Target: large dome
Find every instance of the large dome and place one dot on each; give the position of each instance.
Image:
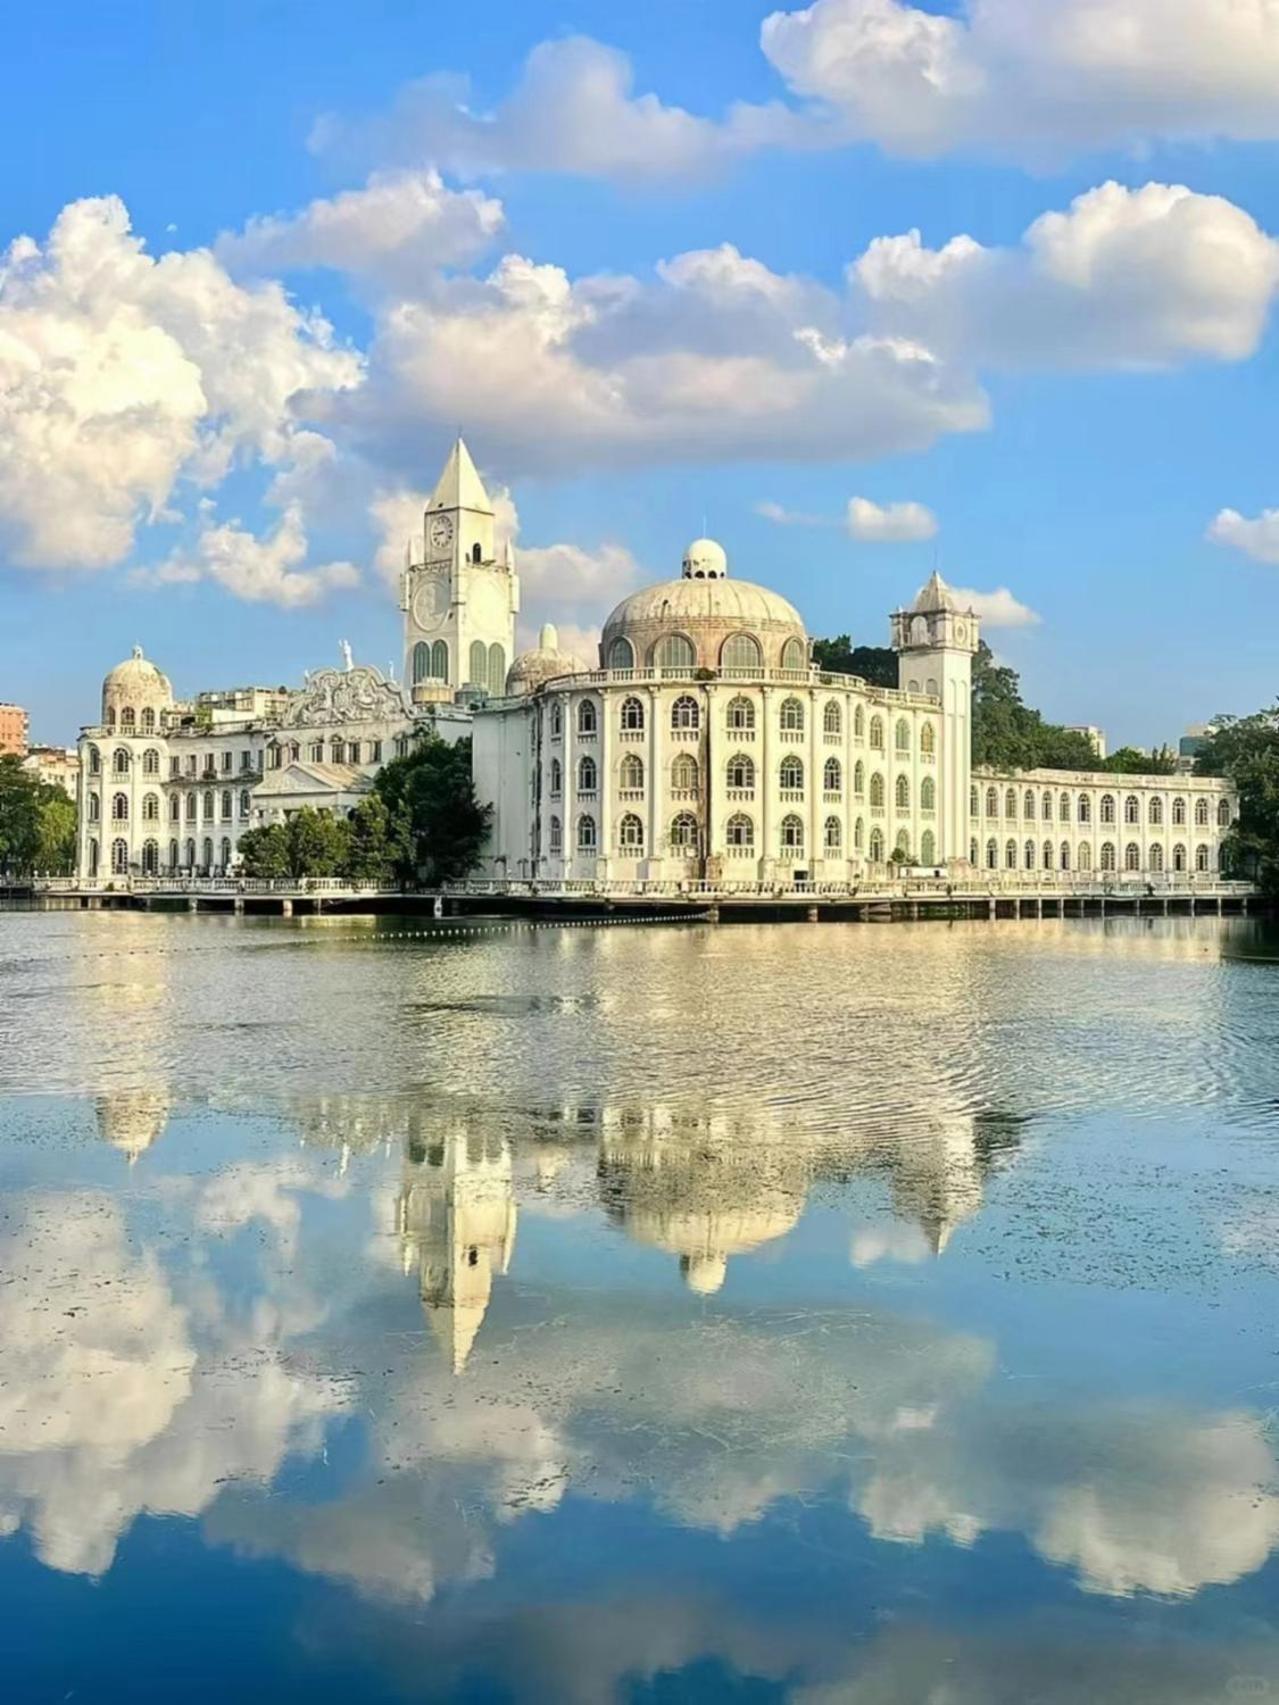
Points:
(132, 687)
(707, 608)
(544, 663)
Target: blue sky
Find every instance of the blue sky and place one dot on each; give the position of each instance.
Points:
(212, 455)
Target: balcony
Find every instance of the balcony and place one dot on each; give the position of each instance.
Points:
(831, 796)
(791, 795)
(734, 733)
(625, 793)
(739, 794)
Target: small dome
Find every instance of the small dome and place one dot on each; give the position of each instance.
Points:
(544, 663)
(135, 685)
(705, 559)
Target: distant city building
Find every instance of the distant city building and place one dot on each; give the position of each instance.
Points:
(1191, 745)
(57, 766)
(14, 725)
(1090, 731)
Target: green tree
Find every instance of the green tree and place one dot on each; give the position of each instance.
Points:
(437, 825)
(1127, 760)
(264, 853)
(874, 663)
(317, 843)
(56, 853)
(1245, 749)
(1009, 735)
(372, 847)
(37, 823)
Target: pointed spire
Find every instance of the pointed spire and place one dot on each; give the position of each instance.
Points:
(936, 595)
(460, 486)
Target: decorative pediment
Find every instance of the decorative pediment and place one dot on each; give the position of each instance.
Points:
(300, 778)
(359, 694)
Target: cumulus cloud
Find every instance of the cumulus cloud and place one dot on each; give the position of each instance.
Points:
(573, 110)
(1257, 538)
(122, 374)
(890, 523)
(260, 569)
(1124, 278)
(1013, 75)
(401, 226)
(783, 517)
(997, 609)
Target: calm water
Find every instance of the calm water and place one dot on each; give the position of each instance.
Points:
(807, 1313)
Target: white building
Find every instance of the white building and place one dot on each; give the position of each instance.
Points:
(705, 745)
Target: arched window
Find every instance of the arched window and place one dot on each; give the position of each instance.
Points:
(587, 717)
(859, 778)
(928, 798)
(224, 854)
(1223, 813)
(632, 716)
(740, 830)
(1132, 809)
(111, 716)
(440, 660)
(148, 727)
(832, 775)
(190, 864)
(685, 712)
(683, 836)
(928, 744)
(1048, 855)
(151, 808)
(1179, 813)
(992, 854)
(587, 777)
(1028, 806)
(93, 807)
(630, 833)
(928, 847)
(228, 803)
(791, 774)
(792, 715)
(1028, 854)
(859, 834)
(1201, 813)
(1085, 808)
(120, 761)
(497, 669)
(1065, 855)
(877, 789)
(793, 655)
(175, 807)
(208, 853)
(684, 773)
(1132, 856)
(191, 807)
(741, 713)
(903, 846)
(833, 835)
(421, 662)
(675, 651)
(119, 858)
(586, 834)
(557, 720)
(173, 855)
(859, 722)
(1063, 807)
(1107, 808)
(479, 664)
(992, 802)
(902, 736)
(475, 552)
(557, 836)
(120, 808)
(832, 718)
(876, 848)
(741, 771)
(741, 651)
(95, 761)
(206, 803)
(1156, 812)
(877, 733)
(901, 793)
(974, 804)
(1010, 855)
(1156, 857)
(557, 778)
(1046, 806)
(150, 762)
(127, 720)
(631, 774)
(244, 802)
(972, 851)
(620, 654)
(1179, 857)
(792, 833)
(1107, 855)
(1202, 859)
(1010, 803)
(1085, 857)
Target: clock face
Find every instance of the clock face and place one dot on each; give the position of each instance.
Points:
(430, 602)
(440, 532)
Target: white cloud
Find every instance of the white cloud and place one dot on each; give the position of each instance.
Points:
(261, 570)
(1034, 75)
(889, 523)
(783, 517)
(122, 374)
(997, 609)
(400, 227)
(1257, 538)
(1125, 278)
(573, 110)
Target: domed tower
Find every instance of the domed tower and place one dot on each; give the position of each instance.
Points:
(136, 696)
(935, 640)
(546, 662)
(121, 764)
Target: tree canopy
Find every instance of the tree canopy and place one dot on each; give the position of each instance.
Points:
(874, 663)
(1245, 749)
(37, 823)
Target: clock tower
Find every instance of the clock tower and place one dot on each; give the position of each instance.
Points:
(459, 596)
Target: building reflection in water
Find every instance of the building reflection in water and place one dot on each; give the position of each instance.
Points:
(132, 1119)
